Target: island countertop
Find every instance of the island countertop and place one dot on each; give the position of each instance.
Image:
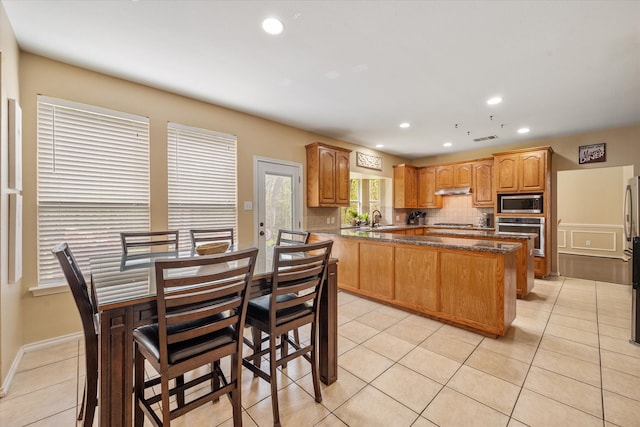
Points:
(492, 234)
(433, 241)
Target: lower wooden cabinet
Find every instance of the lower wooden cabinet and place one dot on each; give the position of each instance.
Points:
(417, 270)
(469, 288)
(376, 269)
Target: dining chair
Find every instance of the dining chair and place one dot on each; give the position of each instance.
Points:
(288, 238)
(201, 304)
(146, 239)
(292, 237)
(211, 235)
(296, 285)
(88, 315)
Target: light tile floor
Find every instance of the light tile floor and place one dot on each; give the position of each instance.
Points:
(566, 361)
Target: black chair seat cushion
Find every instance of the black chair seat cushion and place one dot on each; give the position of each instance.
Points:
(258, 309)
(148, 336)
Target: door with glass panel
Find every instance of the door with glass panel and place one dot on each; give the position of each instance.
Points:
(279, 199)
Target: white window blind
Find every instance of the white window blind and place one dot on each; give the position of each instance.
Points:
(93, 181)
(202, 180)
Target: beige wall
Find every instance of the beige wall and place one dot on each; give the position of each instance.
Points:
(256, 137)
(590, 211)
(10, 307)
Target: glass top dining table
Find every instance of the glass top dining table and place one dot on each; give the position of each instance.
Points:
(118, 279)
(125, 293)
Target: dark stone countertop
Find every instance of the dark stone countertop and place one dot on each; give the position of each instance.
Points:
(489, 246)
(493, 234)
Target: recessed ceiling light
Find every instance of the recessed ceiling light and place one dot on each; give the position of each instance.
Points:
(447, 144)
(379, 145)
(272, 26)
(495, 100)
(405, 125)
(523, 130)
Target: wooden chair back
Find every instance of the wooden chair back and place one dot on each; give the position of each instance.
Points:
(213, 295)
(298, 270)
(146, 239)
(211, 235)
(86, 304)
(292, 237)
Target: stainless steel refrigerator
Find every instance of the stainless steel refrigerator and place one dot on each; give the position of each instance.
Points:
(632, 241)
(631, 211)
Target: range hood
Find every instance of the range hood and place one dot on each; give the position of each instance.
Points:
(453, 191)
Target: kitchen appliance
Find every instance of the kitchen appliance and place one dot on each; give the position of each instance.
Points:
(631, 212)
(416, 217)
(533, 225)
(520, 203)
(635, 319)
(454, 191)
(487, 220)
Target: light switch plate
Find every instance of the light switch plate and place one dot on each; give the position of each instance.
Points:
(248, 206)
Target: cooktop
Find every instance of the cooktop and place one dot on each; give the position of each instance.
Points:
(452, 224)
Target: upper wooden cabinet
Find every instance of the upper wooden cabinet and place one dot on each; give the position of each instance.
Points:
(450, 176)
(482, 183)
(523, 171)
(327, 175)
(405, 180)
(427, 188)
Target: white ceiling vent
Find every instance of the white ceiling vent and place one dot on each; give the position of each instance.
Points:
(486, 138)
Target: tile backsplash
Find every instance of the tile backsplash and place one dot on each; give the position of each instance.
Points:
(457, 209)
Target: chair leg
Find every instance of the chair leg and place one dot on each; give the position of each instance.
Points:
(138, 415)
(166, 409)
(180, 394)
(256, 336)
(236, 397)
(314, 365)
(296, 336)
(274, 381)
(284, 348)
(215, 380)
(91, 400)
(84, 398)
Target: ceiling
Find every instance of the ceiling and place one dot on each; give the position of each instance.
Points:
(354, 70)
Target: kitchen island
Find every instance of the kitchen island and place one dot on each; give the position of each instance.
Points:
(524, 257)
(470, 283)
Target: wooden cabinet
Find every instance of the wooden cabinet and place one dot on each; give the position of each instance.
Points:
(521, 172)
(427, 189)
(451, 176)
(405, 180)
(327, 175)
(482, 183)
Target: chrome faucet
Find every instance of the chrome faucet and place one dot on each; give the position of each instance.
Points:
(375, 221)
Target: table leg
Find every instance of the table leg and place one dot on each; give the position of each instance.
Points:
(328, 327)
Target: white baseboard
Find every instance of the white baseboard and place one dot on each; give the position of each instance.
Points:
(4, 390)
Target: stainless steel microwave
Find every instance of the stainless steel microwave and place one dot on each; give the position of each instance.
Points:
(520, 203)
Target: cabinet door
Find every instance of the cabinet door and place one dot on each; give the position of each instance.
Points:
(327, 174)
(483, 192)
(507, 172)
(533, 166)
(427, 189)
(405, 187)
(342, 178)
(462, 175)
(411, 188)
(444, 177)
(376, 269)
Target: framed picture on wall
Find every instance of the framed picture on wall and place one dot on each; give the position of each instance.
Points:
(592, 153)
(15, 145)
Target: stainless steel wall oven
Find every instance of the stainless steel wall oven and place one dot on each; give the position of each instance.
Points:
(524, 225)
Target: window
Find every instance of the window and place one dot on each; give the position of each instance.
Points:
(93, 181)
(202, 180)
